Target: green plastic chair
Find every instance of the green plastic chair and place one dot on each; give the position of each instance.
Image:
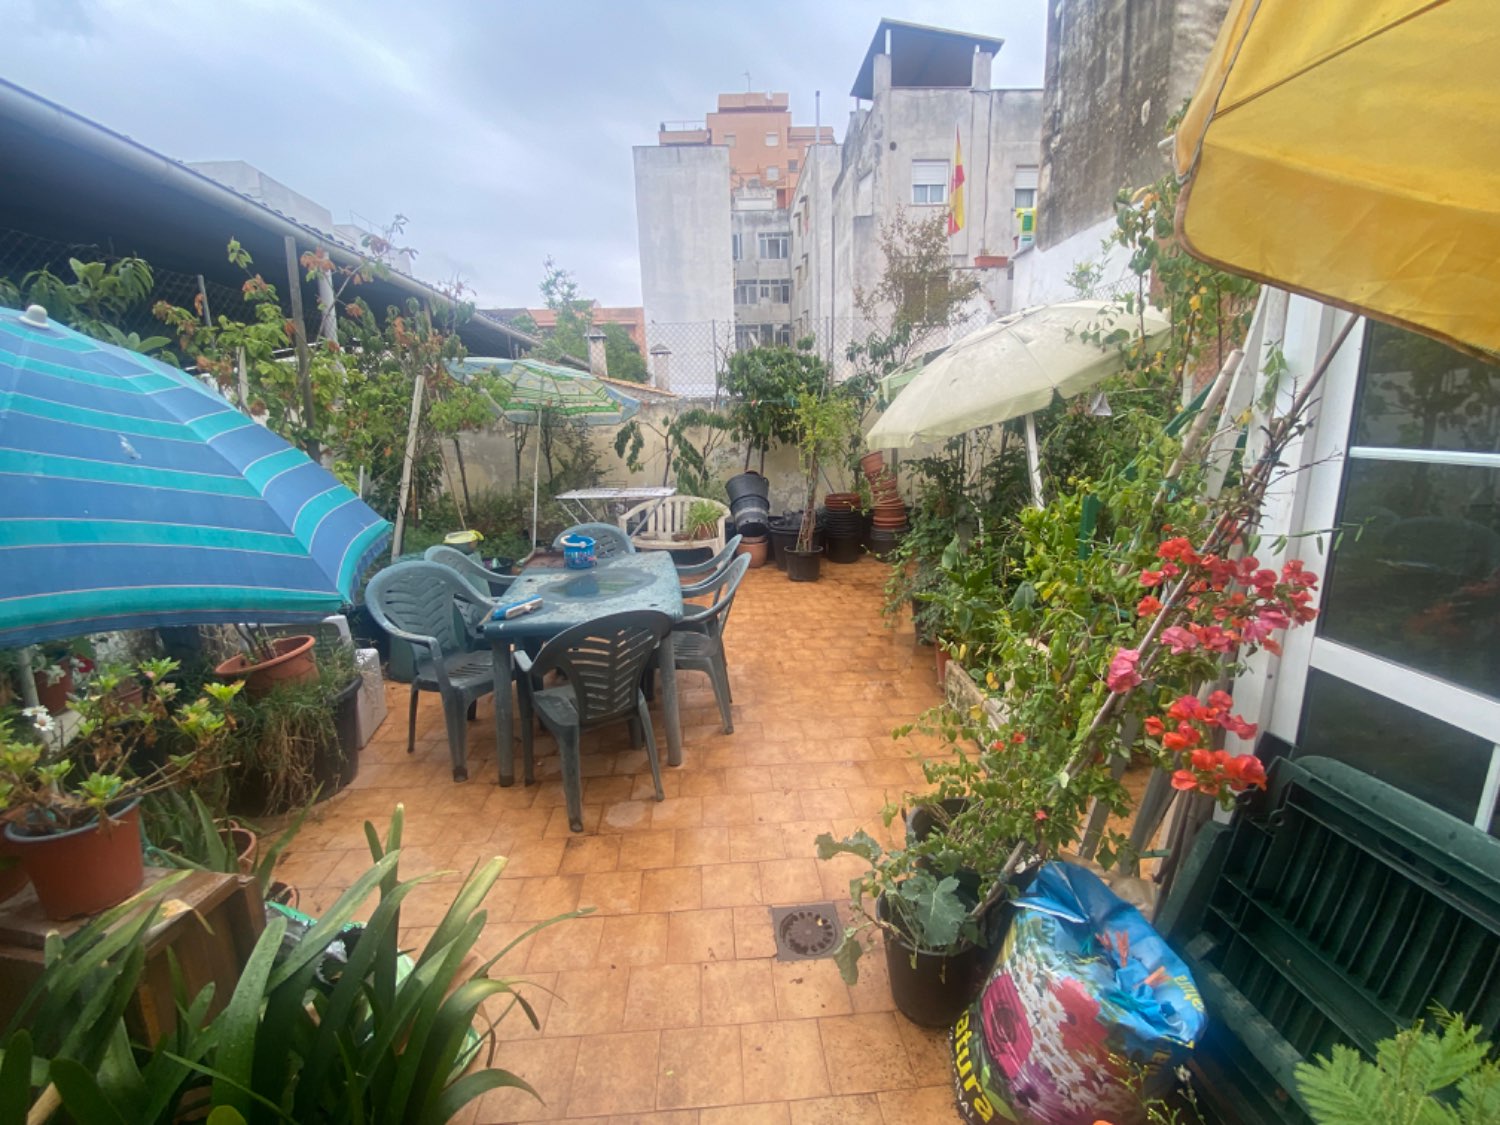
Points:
(490, 583)
(698, 639)
(710, 567)
(609, 540)
(414, 602)
(602, 661)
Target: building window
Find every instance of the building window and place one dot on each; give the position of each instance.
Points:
(773, 173)
(784, 335)
(773, 245)
(1025, 198)
(1025, 187)
(773, 139)
(1405, 644)
(736, 250)
(777, 292)
(729, 139)
(791, 164)
(929, 182)
(744, 292)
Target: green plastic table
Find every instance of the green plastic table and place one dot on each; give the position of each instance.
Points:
(572, 597)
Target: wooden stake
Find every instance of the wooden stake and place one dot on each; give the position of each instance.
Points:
(299, 336)
(407, 461)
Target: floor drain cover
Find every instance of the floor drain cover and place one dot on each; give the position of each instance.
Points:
(805, 933)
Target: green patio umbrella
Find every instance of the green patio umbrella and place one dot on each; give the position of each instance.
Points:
(533, 387)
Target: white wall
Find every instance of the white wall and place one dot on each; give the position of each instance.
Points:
(1041, 276)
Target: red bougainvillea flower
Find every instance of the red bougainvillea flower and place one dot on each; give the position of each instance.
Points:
(1203, 759)
(1178, 639)
(1041, 815)
(1184, 737)
(1017, 738)
(1155, 727)
(1148, 606)
(1180, 549)
(1151, 578)
(1122, 675)
(1184, 779)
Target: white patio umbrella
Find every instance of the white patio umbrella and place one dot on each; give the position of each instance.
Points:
(1011, 369)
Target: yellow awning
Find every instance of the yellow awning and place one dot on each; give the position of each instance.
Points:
(1350, 150)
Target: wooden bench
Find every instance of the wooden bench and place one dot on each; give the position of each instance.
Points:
(654, 524)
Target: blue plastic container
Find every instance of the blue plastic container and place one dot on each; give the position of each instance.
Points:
(578, 552)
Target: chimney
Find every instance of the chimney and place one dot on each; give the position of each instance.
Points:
(598, 361)
(881, 83)
(983, 61)
(661, 357)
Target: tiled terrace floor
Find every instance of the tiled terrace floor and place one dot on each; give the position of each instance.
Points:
(666, 1004)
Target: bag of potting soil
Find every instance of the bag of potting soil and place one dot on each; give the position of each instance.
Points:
(1082, 983)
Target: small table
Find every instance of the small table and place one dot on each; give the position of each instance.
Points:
(572, 597)
(582, 497)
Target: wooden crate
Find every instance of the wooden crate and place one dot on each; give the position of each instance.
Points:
(209, 921)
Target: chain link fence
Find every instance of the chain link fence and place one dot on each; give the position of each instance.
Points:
(690, 359)
(23, 254)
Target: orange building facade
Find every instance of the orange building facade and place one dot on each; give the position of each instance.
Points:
(765, 149)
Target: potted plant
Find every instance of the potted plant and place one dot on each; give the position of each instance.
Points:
(267, 661)
(824, 423)
(185, 832)
(700, 521)
(73, 807)
(924, 899)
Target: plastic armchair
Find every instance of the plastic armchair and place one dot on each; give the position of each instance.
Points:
(710, 567)
(603, 662)
(609, 540)
(490, 583)
(698, 639)
(414, 601)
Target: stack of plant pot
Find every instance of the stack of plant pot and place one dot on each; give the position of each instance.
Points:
(890, 522)
(844, 532)
(750, 507)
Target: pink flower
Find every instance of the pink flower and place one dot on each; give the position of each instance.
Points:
(1122, 675)
(1184, 779)
(1178, 639)
(1150, 578)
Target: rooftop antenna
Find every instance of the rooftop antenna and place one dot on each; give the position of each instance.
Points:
(747, 81)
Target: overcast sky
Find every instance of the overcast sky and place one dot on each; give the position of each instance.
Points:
(501, 129)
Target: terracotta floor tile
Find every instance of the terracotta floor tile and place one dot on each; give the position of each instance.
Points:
(614, 1073)
(560, 828)
(539, 899)
(641, 850)
(664, 996)
(588, 1002)
(611, 892)
(786, 882)
(696, 846)
(747, 779)
(537, 990)
(872, 992)
(677, 812)
(854, 1109)
(702, 783)
(626, 816)
(820, 803)
(927, 1049)
(642, 787)
(865, 1053)
(731, 884)
(534, 857)
(775, 806)
(753, 936)
(808, 989)
(727, 808)
(672, 888)
(547, 1065)
(700, 935)
(633, 939)
(699, 1067)
(584, 855)
(607, 790)
(666, 1117)
(567, 945)
(738, 992)
(928, 1103)
(786, 1056)
(759, 1113)
(755, 842)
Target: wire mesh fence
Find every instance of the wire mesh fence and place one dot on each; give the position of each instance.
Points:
(691, 358)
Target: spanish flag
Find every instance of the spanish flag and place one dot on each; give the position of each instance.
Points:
(956, 188)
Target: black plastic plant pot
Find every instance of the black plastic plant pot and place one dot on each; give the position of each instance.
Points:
(804, 566)
(842, 549)
(932, 989)
(747, 484)
(336, 764)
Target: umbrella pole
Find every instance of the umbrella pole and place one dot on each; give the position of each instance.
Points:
(1034, 462)
(536, 477)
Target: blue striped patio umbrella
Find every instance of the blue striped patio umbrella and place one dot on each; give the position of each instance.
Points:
(131, 496)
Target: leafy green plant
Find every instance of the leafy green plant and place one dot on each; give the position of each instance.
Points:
(1420, 1076)
(50, 785)
(825, 423)
(687, 442)
(100, 295)
(764, 385)
(701, 519)
(186, 833)
(388, 1040)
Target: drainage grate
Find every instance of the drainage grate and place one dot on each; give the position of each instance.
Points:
(805, 933)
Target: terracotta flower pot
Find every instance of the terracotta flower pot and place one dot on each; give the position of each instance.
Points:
(12, 872)
(53, 694)
(873, 464)
(841, 501)
(758, 547)
(293, 663)
(244, 843)
(85, 870)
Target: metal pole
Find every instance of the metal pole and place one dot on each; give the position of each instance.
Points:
(299, 334)
(407, 461)
(203, 297)
(1034, 461)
